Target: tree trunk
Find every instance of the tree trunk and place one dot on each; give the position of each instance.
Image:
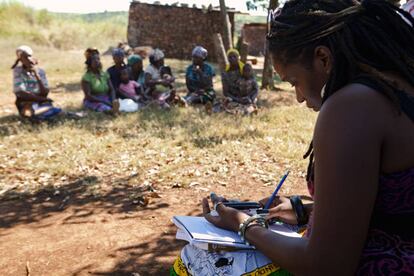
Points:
(220, 52)
(244, 49)
(227, 39)
(267, 79)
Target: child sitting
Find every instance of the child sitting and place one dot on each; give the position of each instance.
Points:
(129, 89)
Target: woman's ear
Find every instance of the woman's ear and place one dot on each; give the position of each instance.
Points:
(323, 59)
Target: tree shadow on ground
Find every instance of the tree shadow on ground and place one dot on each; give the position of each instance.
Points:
(150, 257)
(18, 208)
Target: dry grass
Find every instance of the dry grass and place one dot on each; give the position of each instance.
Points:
(180, 147)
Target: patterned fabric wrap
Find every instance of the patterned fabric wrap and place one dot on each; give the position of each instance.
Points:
(26, 81)
(196, 261)
(98, 106)
(204, 80)
(386, 252)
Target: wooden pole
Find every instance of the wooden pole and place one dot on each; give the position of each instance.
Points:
(227, 39)
(220, 51)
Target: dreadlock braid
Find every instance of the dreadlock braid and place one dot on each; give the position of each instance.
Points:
(365, 38)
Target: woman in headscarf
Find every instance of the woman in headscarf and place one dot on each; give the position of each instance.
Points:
(31, 87)
(136, 70)
(159, 81)
(97, 86)
(233, 73)
(114, 71)
(199, 78)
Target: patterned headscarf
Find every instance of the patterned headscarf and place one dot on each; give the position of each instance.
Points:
(157, 55)
(200, 52)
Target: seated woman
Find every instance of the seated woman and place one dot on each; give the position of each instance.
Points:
(97, 86)
(30, 86)
(114, 71)
(247, 90)
(159, 79)
(361, 170)
(135, 69)
(199, 78)
(232, 74)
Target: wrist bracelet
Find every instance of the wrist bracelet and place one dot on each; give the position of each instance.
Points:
(301, 215)
(258, 219)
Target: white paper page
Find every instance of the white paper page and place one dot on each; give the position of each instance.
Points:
(200, 230)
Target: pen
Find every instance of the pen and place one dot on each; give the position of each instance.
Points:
(273, 196)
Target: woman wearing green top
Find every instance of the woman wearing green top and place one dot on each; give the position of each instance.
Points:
(96, 84)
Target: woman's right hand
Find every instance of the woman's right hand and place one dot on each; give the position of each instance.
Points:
(281, 209)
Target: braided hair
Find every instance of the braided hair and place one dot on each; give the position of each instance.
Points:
(365, 38)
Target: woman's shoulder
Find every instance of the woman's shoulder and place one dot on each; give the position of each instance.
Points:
(356, 106)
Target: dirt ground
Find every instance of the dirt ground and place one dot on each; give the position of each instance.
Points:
(66, 231)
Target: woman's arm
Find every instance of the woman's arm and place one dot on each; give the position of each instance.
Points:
(347, 143)
(30, 97)
(40, 77)
(111, 90)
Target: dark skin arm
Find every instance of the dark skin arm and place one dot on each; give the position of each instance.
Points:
(347, 172)
(43, 90)
(30, 97)
(149, 82)
(88, 95)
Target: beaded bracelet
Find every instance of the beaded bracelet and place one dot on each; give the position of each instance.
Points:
(259, 219)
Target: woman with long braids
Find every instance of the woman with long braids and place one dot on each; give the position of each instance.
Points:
(353, 62)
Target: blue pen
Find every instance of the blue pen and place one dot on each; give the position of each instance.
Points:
(273, 196)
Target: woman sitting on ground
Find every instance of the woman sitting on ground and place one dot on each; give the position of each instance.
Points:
(159, 82)
(199, 78)
(97, 86)
(245, 100)
(114, 71)
(232, 74)
(31, 87)
(361, 169)
(136, 69)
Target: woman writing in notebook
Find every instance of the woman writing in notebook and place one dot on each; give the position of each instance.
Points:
(361, 171)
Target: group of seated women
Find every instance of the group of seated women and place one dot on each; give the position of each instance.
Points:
(127, 86)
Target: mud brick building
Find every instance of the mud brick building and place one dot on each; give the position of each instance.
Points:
(255, 35)
(174, 29)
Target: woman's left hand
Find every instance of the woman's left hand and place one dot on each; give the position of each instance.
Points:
(228, 218)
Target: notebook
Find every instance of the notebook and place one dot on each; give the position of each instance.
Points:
(201, 233)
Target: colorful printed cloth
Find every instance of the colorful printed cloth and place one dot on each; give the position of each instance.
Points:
(202, 80)
(99, 83)
(24, 81)
(98, 106)
(196, 261)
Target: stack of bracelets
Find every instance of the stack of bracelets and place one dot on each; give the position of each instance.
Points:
(250, 221)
